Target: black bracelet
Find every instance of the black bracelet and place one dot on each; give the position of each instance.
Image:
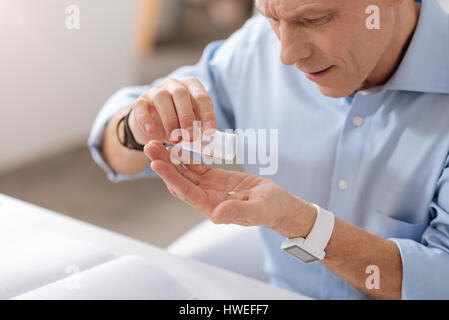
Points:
(128, 138)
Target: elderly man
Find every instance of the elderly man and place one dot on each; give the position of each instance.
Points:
(363, 118)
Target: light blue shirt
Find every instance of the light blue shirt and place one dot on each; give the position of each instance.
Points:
(378, 160)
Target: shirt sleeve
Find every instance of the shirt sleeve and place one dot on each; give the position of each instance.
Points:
(208, 71)
(425, 264)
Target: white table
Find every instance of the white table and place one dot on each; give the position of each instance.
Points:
(19, 219)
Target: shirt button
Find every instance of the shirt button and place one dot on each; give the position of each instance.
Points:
(357, 121)
(343, 184)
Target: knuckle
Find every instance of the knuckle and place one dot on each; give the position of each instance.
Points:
(152, 90)
(171, 122)
(179, 91)
(202, 97)
(173, 83)
(159, 94)
(139, 109)
(186, 118)
(167, 82)
(139, 103)
(208, 115)
(191, 80)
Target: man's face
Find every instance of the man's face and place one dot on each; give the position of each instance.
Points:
(329, 40)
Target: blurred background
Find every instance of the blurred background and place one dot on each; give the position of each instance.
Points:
(54, 80)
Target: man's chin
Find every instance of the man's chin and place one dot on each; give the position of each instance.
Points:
(335, 92)
(335, 85)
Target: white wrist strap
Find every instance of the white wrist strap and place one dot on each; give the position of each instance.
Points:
(321, 231)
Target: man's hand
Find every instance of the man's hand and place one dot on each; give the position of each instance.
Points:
(229, 197)
(170, 106)
(255, 201)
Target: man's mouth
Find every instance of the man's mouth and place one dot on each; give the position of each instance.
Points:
(316, 76)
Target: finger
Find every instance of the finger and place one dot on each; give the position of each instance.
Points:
(203, 103)
(175, 156)
(147, 118)
(155, 150)
(173, 193)
(198, 168)
(181, 157)
(183, 105)
(163, 103)
(185, 189)
(190, 163)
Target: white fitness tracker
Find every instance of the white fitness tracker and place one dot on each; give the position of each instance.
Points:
(312, 247)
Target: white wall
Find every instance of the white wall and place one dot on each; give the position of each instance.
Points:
(445, 4)
(52, 80)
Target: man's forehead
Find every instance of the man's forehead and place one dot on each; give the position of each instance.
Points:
(290, 4)
(293, 6)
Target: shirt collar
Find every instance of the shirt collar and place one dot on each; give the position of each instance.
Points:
(425, 66)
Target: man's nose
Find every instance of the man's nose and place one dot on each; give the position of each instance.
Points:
(294, 44)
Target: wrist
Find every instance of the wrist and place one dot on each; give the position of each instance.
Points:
(301, 219)
(136, 131)
(120, 159)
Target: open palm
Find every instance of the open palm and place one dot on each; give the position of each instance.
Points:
(224, 196)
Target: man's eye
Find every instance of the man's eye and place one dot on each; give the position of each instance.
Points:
(319, 21)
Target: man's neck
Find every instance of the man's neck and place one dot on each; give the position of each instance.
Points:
(408, 16)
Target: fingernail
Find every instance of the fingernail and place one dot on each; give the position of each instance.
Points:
(147, 127)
